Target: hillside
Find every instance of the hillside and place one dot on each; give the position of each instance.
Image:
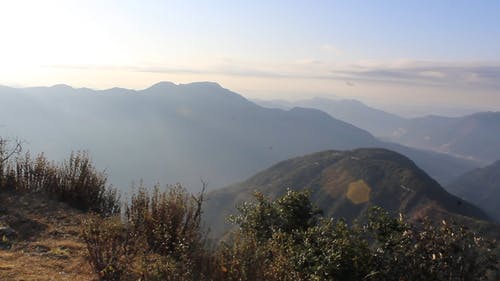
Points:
(345, 184)
(179, 133)
(481, 187)
(42, 241)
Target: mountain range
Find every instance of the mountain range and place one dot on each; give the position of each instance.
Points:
(172, 133)
(475, 136)
(376, 121)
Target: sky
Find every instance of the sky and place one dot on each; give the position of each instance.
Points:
(444, 52)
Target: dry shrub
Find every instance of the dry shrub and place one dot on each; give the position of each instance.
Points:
(243, 258)
(166, 237)
(169, 223)
(75, 181)
(111, 247)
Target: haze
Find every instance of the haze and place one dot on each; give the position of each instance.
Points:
(385, 53)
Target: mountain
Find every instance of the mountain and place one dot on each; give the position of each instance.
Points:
(377, 122)
(481, 187)
(169, 133)
(345, 184)
(172, 133)
(472, 136)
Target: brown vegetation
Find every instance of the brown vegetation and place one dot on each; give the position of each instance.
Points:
(47, 246)
(75, 181)
(160, 238)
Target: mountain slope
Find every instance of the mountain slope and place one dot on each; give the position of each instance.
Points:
(179, 133)
(481, 187)
(377, 122)
(440, 166)
(472, 136)
(345, 184)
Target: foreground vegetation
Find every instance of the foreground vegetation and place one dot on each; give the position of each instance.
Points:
(75, 181)
(158, 234)
(160, 239)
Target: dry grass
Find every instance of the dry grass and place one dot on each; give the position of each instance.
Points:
(48, 246)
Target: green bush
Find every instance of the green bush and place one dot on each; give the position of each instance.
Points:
(430, 251)
(285, 240)
(292, 212)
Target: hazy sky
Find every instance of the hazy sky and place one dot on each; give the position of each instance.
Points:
(444, 52)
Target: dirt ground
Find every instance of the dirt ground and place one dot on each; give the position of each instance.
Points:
(46, 244)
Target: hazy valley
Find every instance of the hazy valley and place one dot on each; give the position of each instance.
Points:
(473, 136)
(184, 133)
(249, 140)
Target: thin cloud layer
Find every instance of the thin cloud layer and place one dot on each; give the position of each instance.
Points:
(415, 72)
(427, 83)
(429, 73)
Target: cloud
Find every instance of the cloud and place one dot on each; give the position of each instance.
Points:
(432, 74)
(223, 69)
(309, 62)
(429, 73)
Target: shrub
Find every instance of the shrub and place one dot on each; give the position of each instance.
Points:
(292, 212)
(289, 241)
(430, 251)
(169, 223)
(75, 181)
(7, 150)
(243, 257)
(273, 244)
(163, 241)
(111, 246)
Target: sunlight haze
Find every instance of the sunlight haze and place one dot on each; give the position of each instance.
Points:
(381, 52)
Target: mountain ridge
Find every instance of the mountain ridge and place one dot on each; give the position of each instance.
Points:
(345, 184)
(472, 136)
(193, 130)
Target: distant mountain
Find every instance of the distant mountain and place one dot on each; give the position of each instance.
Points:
(481, 187)
(344, 185)
(377, 122)
(179, 133)
(169, 133)
(277, 103)
(473, 136)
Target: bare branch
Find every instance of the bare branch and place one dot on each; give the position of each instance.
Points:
(7, 152)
